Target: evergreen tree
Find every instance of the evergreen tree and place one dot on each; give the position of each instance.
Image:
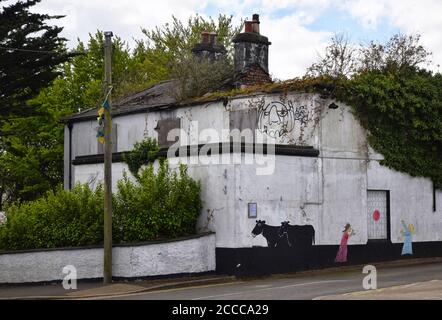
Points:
(30, 51)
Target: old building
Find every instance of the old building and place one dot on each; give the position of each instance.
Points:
(317, 168)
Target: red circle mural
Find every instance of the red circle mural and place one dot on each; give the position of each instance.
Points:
(376, 215)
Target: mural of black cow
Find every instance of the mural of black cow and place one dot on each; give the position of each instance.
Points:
(286, 235)
(299, 236)
(268, 232)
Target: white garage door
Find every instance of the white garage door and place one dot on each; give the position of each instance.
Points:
(377, 215)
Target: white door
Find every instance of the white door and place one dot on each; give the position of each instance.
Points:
(377, 215)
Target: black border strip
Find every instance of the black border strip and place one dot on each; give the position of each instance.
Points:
(193, 150)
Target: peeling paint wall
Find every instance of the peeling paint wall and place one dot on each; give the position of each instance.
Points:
(326, 191)
(177, 257)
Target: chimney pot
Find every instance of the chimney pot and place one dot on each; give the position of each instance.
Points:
(255, 17)
(205, 37)
(213, 39)
(248, 26)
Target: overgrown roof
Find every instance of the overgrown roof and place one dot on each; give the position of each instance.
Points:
(163, 95)
(159, 95)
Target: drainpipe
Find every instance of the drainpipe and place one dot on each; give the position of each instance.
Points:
(70, 155)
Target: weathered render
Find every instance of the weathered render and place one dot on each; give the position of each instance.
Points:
(195, 255)
(318, 169)
(326, 191)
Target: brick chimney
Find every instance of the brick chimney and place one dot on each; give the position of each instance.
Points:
(208, 47)
(251, 47)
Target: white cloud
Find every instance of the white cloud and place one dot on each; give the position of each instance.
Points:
(124, 18)
(409, 16)
(368, 13)
(285, 22)
(293, 48)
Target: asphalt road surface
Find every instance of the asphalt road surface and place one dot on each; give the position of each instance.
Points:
(298, 286)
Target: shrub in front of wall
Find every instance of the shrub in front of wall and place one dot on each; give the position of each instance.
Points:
(143, 153)
(62, 218)
(159, 204)
(165, 204)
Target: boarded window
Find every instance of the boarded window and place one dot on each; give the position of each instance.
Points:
(100, 146)
(245, 121)
(164, 127)
(377, 215)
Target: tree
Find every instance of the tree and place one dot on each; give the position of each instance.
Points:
(401, 51)
(175, 41)
(198, 76)
(344, 60)
(340, 59)
(170, 52)
(33, 162)
(30, 53)
(33, 145)
(394, 98)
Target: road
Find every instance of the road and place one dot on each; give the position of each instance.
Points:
(303, 286)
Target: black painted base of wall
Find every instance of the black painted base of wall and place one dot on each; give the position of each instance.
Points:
(258, 261)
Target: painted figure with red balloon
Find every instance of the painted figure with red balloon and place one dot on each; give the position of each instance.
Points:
(342, 252)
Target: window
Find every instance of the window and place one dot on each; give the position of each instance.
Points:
(245, 121)
(163, 128)
(378, 214)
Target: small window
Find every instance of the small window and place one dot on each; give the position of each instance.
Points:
(163, 128)
(243, 120)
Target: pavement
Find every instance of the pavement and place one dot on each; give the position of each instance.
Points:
(428, 290)
(55, 291)
(181, 287)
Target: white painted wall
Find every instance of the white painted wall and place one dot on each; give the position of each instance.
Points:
(327, 191)
(411, 199)
(186, 256)
(93, 174)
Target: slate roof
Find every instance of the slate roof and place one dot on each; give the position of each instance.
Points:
(162, 94)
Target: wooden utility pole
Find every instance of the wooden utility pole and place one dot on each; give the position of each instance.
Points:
(107, 270)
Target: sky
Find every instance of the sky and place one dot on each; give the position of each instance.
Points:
(298, 29)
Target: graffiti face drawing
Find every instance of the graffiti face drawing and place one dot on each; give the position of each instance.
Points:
(276, 119)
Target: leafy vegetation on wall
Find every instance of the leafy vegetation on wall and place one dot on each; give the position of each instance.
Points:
(394, 97)
(402, 112)
(397, 100)
(143, 153)
(161, 204)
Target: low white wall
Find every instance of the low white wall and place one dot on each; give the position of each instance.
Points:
(192, 255)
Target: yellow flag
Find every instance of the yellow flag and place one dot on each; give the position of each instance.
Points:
(101, 139)
(100, 111)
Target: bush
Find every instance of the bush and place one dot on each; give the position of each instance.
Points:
(162, 205)
(197, 76)
(159, 205)
(143, 153)
(61, 218)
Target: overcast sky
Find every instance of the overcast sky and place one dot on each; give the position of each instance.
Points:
(298, 29)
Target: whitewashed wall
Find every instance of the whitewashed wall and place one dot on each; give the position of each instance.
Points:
(187, 256)
(327, 191)
(411, 199)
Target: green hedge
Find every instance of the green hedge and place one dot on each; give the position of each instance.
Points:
(164, 204)
(161, 204)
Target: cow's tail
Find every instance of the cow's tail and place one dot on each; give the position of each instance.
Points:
(313, 237)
